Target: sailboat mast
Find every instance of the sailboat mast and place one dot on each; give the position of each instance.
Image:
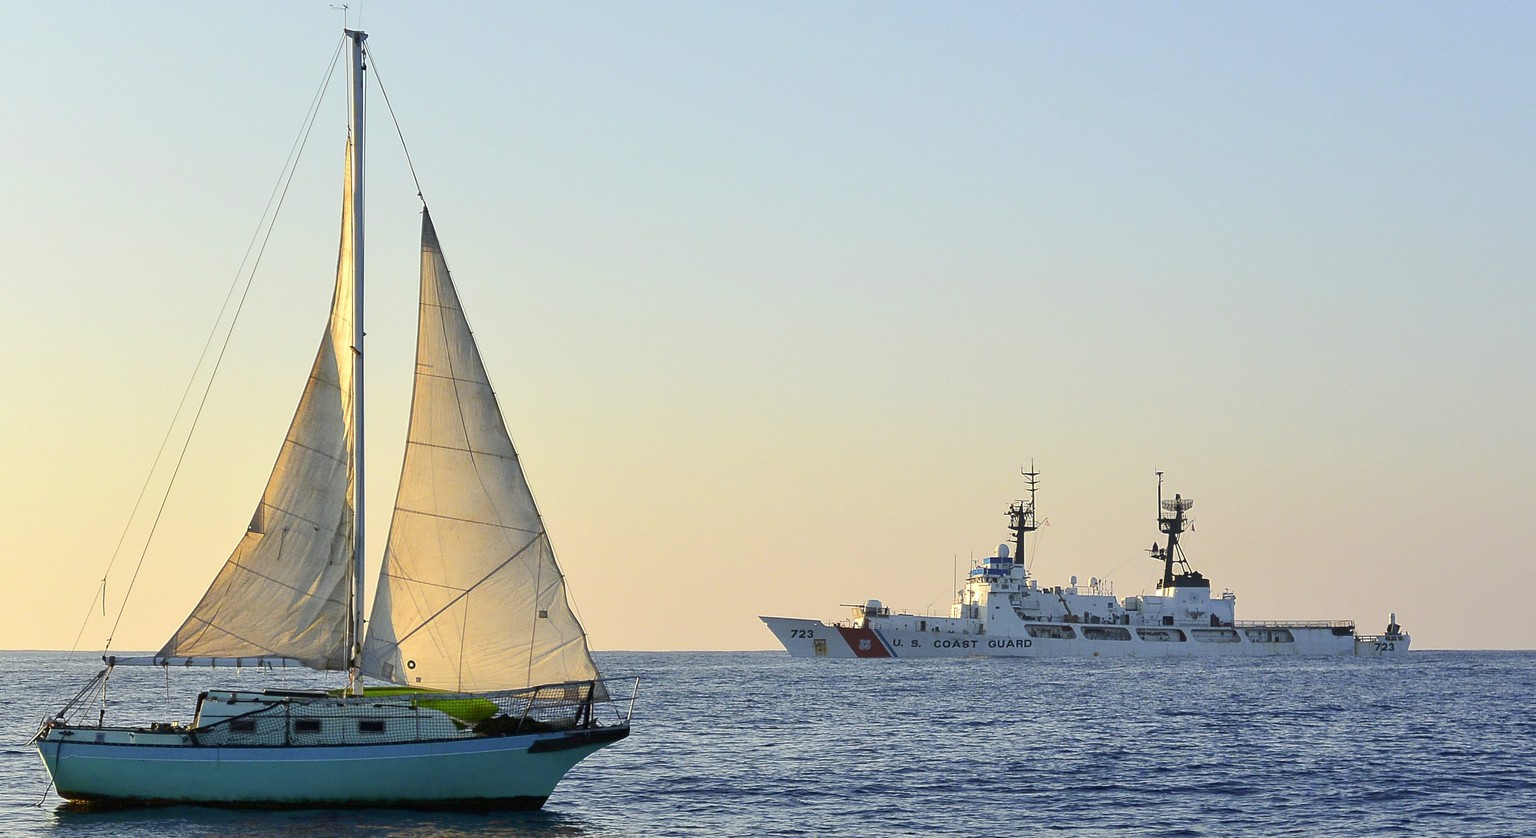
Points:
(355, 123)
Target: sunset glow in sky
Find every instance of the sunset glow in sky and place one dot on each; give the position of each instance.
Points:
(778, 298)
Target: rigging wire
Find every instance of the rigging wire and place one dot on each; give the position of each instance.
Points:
(280, 193)
(368, 50)
(1120, 567)
(290, 161)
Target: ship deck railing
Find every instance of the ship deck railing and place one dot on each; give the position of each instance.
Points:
(1325, 624)
(425, 716)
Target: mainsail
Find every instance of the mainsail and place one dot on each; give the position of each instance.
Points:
(285, 590)
(469, 597)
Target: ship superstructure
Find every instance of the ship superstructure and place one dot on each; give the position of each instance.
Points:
(1003, 610)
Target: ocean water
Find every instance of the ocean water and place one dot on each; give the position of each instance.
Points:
(1437, 743)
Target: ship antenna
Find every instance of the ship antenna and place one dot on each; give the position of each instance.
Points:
(1021, 516)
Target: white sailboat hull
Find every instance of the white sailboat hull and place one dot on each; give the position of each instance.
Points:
(501, 772)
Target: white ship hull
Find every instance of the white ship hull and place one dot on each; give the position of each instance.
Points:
(1004, 611)
(503, 772)
(815, 639)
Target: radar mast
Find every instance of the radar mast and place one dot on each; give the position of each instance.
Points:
(1021, 516)
(1171, 521)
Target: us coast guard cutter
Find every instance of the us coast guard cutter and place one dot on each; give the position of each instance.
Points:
(1003, 611)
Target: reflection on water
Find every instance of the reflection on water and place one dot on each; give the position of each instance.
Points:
(240, 823)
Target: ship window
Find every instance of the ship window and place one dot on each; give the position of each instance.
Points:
(306, 726)
(370, 726)
(242, 726)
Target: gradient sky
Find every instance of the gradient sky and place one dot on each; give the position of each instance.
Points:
(778, 298)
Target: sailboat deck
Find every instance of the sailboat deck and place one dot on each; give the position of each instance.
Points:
(279, 718)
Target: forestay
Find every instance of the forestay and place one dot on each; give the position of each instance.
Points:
(470, 597)
(285, 590)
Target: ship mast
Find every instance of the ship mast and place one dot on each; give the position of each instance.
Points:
(1172, 527)
(355, 197)
(1021, 516)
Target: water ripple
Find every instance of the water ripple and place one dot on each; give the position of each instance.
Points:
(757, 744)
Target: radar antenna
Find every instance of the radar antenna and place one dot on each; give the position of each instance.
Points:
(1021, 516)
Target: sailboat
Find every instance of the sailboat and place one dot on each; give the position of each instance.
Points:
(489, 692)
